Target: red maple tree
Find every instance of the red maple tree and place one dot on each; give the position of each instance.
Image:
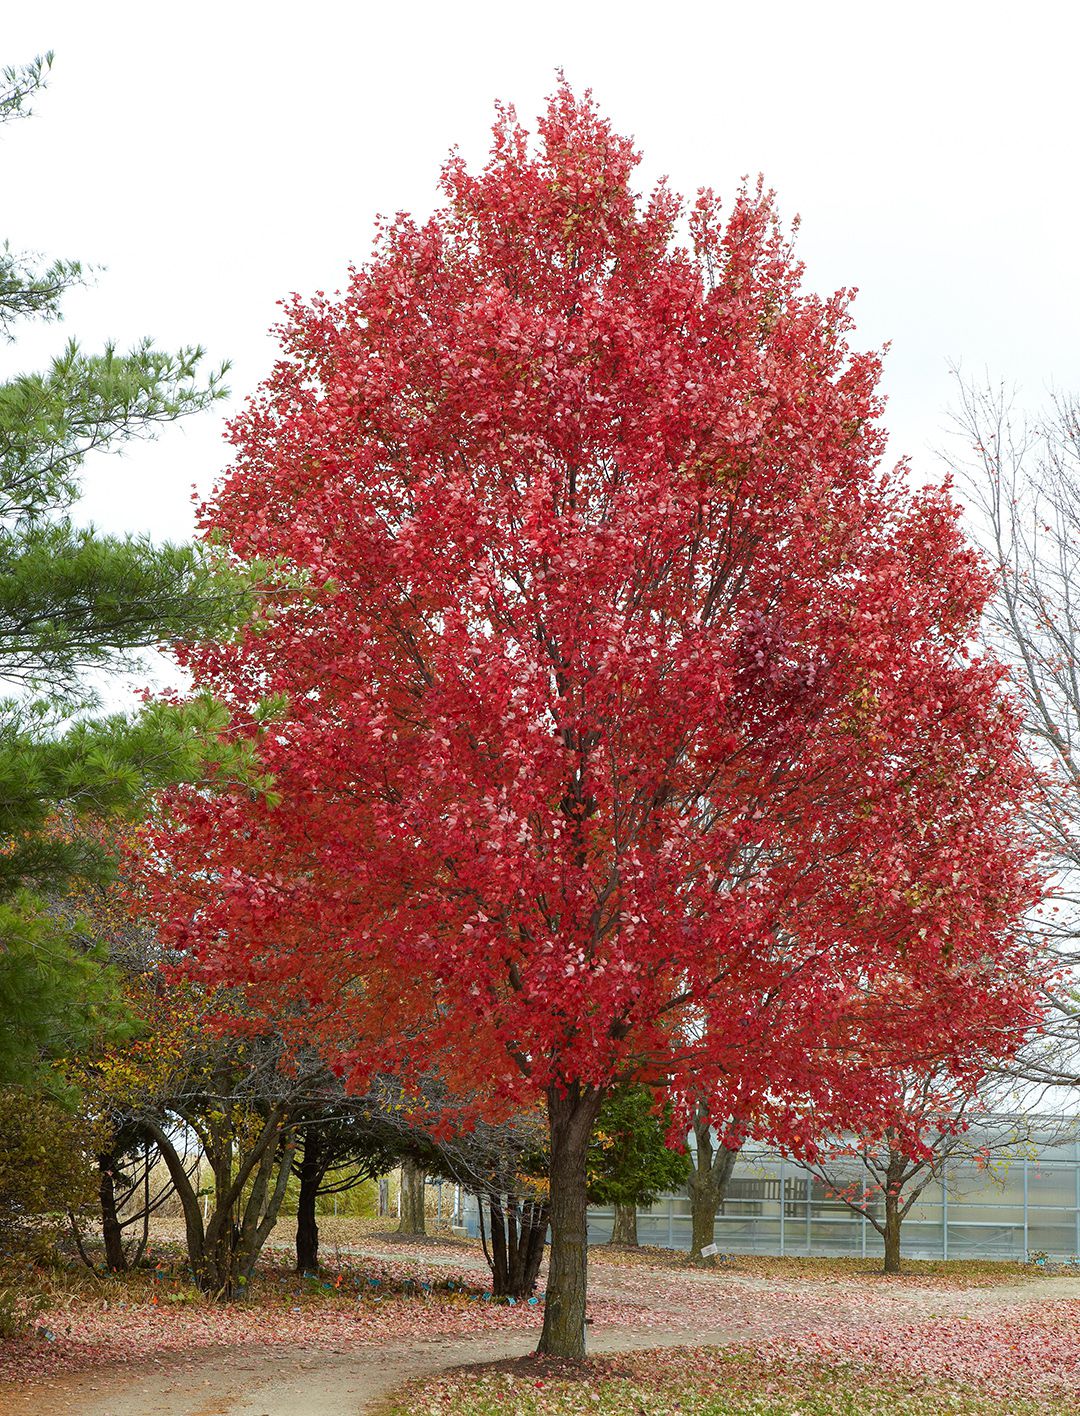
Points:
(632, 727)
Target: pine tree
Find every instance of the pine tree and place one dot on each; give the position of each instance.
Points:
(73, 599)
(629, 1162)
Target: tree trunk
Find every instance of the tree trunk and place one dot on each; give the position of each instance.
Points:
(384, 1196)
(532, 1237)
(704, 1207)
(624, 1228)
(115, 1258)
(570, 1120)
(189, 1198)
(261, 1211)
(892, 1233)
(222, 1252)
(500, 1269)
(144, 1238)
(518, 1231)
(412, 1198)
(707, 1184)
(216, 1275)
(307, 1228)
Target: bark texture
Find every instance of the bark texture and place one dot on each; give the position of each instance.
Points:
(112, 1233)
(891, 1234)
(518, 1230)
(307, 1227)
(624, 1227)
(412, 1199)
(571, 1114)
(707, 1184)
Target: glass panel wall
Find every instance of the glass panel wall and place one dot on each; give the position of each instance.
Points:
(1026, 1202)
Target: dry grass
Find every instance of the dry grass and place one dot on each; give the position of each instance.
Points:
(974, 1272)
(705, 1382)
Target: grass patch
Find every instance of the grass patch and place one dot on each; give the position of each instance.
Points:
(965, 1272)
(703, 1382)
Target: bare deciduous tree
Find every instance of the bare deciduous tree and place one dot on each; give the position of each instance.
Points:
(1022, 477)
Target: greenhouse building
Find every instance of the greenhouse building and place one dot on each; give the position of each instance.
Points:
(1024, 1203)
(1021, 1204)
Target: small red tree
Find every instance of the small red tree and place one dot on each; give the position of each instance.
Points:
(632, 729)
(880, 1172)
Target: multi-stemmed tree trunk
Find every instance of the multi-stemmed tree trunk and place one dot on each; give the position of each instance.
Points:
(571, 1114)
(223, 1248)
(518, 1231)
(412, 1198)
(707, 1184)
(624, 1225)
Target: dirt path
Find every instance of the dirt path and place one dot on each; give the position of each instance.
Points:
(297, 1381)
(306, 1381)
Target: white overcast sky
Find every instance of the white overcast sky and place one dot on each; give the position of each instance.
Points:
(213, 158)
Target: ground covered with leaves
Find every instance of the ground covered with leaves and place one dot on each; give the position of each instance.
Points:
(930, 1273)
(725, 1382)
(761, 1335)
(125, 1319)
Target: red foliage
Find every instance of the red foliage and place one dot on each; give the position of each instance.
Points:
(633, 726)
